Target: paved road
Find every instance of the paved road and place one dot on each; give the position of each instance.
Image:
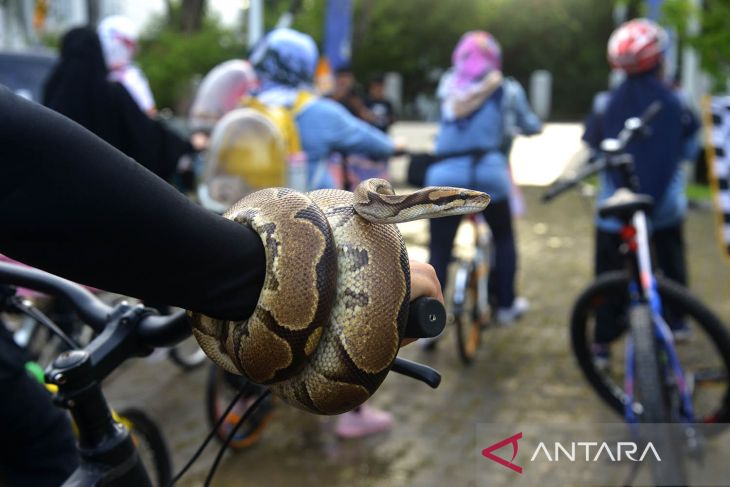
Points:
(525, 374)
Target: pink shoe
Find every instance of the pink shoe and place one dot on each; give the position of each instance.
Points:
(362, 422)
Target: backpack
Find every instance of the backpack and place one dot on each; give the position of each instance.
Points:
(254, 147)
(283, 118)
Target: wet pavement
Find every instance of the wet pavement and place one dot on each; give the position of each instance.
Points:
(524, 374)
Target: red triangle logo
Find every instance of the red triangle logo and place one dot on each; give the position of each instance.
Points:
(488, 452)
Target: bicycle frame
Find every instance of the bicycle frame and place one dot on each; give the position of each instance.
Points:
(643, 290)
(478, 265)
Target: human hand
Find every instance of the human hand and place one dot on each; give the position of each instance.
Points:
(199, 141)
(423, 283)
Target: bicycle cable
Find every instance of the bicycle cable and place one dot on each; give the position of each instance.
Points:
(210, 436)
(224, 447)
(38, 315)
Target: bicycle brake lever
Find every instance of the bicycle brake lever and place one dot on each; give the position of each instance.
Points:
(417, 371)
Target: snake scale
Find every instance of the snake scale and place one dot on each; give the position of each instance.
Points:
(334, 304)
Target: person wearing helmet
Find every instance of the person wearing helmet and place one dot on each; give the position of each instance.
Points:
(118, 36)
(470, 147)
(637, 48)
(285, 62)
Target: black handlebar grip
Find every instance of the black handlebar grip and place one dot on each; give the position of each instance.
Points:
(426, 318)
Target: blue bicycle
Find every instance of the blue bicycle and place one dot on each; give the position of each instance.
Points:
(652, 379)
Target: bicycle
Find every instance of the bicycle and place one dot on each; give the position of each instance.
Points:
(107, 452)
(43, 344)
(145, 433)
(470, 291)
(654, 386)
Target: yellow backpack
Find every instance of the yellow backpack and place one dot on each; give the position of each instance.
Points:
(254, 147)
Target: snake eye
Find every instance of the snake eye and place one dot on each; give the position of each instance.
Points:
(463, 195)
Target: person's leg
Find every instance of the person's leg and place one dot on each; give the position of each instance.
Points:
(443, 231)
(37, 447)
(502, 273)
(669, 251)
(609, 314)
(668, 246)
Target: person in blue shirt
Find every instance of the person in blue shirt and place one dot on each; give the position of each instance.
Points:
(471, 143)
(285, 62)
(637, 48)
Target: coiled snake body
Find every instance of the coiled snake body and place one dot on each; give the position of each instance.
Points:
(334, 304)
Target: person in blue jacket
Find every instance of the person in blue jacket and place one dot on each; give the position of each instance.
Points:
(285, 62)
(470, 145)
(637, 48)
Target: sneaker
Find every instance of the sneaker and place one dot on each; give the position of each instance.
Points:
(507, 316)
(364, 421)
(601, 356)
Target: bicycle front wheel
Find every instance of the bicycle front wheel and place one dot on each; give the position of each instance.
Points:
(150, 444)
(705, 359)
(221, 389)
(468, 316)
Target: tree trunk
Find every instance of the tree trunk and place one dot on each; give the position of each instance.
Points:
(191, 15)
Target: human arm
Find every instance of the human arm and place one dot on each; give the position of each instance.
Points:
(331, 125)
(526, 119)
(73, 205)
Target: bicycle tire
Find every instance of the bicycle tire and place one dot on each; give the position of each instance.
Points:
(651, 389)
(616, 283)
(220, 388)
(147, 437)
(468, 323)
(187, 360)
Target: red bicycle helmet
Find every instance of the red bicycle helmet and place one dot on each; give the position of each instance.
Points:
(637, 46)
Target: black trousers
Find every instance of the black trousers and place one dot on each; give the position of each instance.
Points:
(37, 446)
(669, 260)
(502, 274)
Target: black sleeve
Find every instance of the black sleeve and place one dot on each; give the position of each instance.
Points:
(145, 140)
(75, 206)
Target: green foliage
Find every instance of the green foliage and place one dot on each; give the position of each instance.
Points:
(566, 37)
(172, 60)
(713, 40)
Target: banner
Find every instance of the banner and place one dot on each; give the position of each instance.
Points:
(338, 33)
(717, 127)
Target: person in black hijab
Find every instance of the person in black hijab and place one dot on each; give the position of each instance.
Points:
(78, 88)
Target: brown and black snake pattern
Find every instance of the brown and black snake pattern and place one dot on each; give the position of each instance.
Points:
(334, 304)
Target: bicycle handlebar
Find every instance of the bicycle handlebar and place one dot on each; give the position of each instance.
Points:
(89, 308)
(426, 317)
(155, 331)
(610, 147)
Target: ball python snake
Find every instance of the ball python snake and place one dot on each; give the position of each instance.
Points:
(334, 303)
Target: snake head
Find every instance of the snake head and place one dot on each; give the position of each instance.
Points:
(375, 201)
(447, 201)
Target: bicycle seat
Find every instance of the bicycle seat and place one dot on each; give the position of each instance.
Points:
(624, 203)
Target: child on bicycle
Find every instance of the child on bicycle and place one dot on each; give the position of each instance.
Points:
(473, 128)
(637, 48)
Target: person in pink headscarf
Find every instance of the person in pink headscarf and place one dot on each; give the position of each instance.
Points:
(481, 111)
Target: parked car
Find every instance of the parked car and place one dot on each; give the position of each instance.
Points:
(26, 72)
